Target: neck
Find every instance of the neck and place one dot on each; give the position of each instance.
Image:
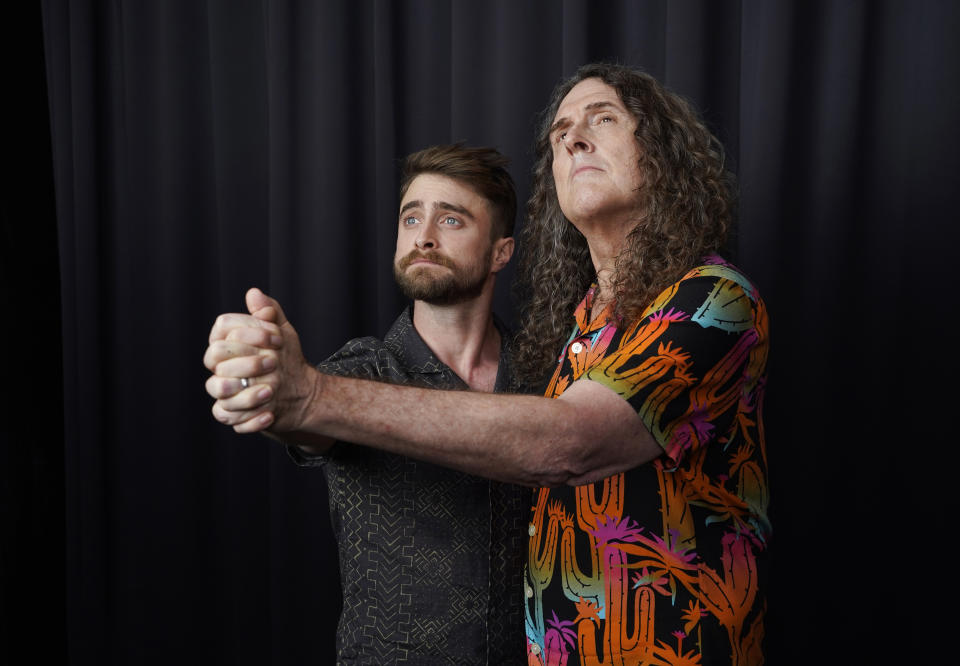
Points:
(464, 337)
(605, 240)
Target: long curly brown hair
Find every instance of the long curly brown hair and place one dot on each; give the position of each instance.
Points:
(686, 206)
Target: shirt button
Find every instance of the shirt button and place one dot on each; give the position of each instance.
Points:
(532, 530)
(576, 347)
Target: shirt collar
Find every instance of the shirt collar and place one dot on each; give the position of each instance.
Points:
(582, 313)
(405, 342)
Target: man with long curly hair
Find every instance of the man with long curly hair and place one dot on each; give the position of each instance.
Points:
(648, 531)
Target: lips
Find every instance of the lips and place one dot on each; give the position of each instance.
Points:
(584, 168)
(417, 257)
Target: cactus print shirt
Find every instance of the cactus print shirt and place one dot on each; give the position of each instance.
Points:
(662, 564)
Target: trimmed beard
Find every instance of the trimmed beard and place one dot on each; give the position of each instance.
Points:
(461, 283)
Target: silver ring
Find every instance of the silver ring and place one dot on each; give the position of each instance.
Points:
(244, 382)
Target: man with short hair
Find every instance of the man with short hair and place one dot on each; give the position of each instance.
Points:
(648, 532)
(430, 558)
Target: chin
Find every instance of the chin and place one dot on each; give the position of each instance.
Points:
(583, 213)
(595, 205)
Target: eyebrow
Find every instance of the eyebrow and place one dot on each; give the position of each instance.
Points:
(564, 122)
(444, 205)
(439, 205)
(416, 203)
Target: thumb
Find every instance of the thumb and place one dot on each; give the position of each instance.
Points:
(265, 308)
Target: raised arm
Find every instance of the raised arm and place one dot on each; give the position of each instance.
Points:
(586, 434)
(250, 356)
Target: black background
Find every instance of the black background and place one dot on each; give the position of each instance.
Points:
(161, 157)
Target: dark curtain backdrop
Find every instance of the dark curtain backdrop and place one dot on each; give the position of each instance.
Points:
(165, 156)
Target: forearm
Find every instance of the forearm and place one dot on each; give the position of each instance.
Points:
(520, 439)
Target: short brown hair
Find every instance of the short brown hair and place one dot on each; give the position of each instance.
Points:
(481, 169)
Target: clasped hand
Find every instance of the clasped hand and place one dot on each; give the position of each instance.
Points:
(264, 349)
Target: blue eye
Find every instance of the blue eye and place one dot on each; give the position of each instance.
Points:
(450, 221)
(408, 221)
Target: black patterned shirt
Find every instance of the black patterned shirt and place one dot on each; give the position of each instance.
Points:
(431, 559)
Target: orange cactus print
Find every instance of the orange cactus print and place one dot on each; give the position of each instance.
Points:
(663, 564)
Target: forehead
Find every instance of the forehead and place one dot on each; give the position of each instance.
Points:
(588, 91)
(431, 187)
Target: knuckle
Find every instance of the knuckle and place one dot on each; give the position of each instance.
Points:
(250, 336)
(268, 357)
(223, 388)
(245, 401)
(221, 368)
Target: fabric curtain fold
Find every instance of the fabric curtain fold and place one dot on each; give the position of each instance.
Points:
(201, 148)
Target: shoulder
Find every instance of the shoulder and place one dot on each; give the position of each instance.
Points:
(359, 357)
(715, 294)
(371, 357)
(716, 268)
(402, 357)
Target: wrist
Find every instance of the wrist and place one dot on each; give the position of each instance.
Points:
(310, 403)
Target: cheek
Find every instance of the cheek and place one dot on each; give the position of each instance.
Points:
(631, 165)
(558, 183)
(402, 247)
(556, 164)
(405, 236)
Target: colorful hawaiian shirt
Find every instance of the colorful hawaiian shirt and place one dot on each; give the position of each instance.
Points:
(663, 563)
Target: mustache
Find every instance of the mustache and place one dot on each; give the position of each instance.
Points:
(429, 255)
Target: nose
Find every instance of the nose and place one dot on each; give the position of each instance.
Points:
(425, 240)
(575, 139)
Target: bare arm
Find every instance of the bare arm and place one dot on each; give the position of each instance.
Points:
(586, 434)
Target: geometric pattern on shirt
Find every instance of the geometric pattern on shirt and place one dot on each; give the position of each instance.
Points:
(430, 558)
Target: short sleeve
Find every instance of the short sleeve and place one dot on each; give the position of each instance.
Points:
(357, 359)
(682, 366)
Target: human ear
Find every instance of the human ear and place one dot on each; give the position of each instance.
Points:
(502, 252)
